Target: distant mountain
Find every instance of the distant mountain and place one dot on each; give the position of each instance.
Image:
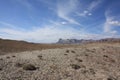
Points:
(76, 41)
(72, 41)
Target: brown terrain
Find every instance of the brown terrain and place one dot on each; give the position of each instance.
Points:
(9, 46)
(28, 61)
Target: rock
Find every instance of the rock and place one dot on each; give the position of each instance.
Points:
(75, 66)
(29, 67)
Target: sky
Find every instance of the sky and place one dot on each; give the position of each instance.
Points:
(45, 21)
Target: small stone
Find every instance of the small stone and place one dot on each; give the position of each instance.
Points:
(67, 51)
(111, 78)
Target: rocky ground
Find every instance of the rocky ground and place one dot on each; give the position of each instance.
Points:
(88, 62)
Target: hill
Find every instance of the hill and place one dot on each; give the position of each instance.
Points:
(9, 46)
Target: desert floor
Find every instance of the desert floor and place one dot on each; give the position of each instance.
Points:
(84, 62)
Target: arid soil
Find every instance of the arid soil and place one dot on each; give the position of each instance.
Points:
(84, 62)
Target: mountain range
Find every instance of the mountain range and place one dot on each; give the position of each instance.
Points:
(77, 41)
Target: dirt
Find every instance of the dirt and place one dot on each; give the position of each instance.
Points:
(83, 62)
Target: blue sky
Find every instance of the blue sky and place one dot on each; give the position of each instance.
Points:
(46, 21)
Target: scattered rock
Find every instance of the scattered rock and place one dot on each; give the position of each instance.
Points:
(111, 78)
(1, 59)
(0, 69)
(105, 56)
(65, 54)
(8, 57)
(18, 64)
(40, 56)
(13, 56)
(75, 66)
(92, 71)
(84, 71)
(73, 51)
(86, 54)
(67, 51)
(79, 60)
(30, 67)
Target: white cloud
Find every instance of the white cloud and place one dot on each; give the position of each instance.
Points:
(94, 5)
(117, 23)
(90, 8)
(63, 22)
(110, 23)
(65, 9)
(47, 34)
(6, 24)
(89, 14)
(84, 13)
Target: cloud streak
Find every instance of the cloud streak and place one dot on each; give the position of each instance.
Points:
(25, 3)
(111, 23)
(84, 13)
(90, 8)
(65, 9)
(95, 4)
(47, 34)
